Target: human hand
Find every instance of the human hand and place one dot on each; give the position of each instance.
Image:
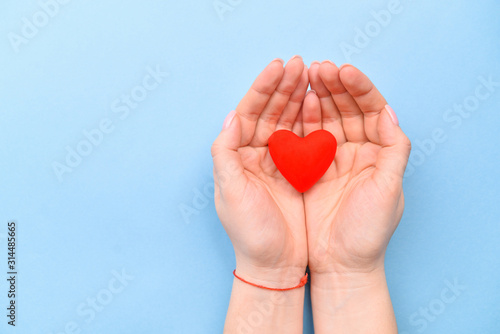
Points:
(260, 211)
(352, 212)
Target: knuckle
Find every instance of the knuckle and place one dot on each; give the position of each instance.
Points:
(215, 149)
(406, 143)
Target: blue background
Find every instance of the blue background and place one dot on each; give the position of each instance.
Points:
(120, 207)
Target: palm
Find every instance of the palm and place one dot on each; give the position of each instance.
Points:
(349, 200)
(276, 210)
(348, 210)
(262, 214)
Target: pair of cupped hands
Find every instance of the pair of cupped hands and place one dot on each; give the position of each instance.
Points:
(341, 225)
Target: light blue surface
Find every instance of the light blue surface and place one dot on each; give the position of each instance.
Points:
(120, 207)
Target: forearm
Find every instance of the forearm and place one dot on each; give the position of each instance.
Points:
(257, 310)
(352, 303)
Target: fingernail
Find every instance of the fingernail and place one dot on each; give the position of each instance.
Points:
(295, 57)
(227, 121)
(314, 62)
(392, 114)
(311, 92)
(343, 65)
(327, 62)
(280, 60)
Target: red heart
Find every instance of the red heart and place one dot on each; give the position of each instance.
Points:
(302, 161)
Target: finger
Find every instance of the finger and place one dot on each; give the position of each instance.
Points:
(331, 120)
(311, 113)
(257, 97)
(393, 156)
(268, 119)
(289, 115)
(228, 167)
(352, 117)
(367, 97)
(297, 128)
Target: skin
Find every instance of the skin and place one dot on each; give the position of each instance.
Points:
(353, 211)
(340, 227)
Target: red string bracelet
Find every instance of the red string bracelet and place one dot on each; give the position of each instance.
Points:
(303, 281)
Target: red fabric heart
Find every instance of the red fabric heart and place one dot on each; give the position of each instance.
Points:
(302, 161)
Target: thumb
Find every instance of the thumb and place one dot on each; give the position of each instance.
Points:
(396, 147)
(228, 168)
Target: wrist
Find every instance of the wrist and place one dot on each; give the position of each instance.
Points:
(342, 269)
(352, 302)
(271, 277)
(257, 310)
(344, 281)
